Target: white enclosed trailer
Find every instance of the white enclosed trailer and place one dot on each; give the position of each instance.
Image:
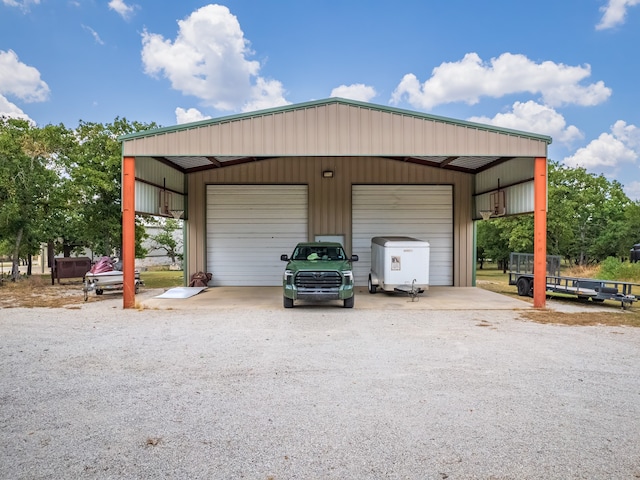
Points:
(399, 264)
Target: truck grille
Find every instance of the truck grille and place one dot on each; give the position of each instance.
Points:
(318, 280)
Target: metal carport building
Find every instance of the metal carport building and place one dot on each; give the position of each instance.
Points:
(250, 186)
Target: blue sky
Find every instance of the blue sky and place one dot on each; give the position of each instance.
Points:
(569, 69)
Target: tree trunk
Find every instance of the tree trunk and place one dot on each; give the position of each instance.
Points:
(15, 260)
(50, 254)
(29, 264)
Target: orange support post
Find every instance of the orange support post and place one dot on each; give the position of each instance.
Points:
(540, 233)
(128, 231)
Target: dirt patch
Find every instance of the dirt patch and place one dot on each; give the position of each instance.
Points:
(34, 292)
(612, 319)
(617, 317)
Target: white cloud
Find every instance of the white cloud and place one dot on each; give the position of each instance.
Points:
(20, 80)
(11, 110)
(356, 91)
(533, 117)
(633, 191)
(190, 115)
(122, 9)
(471, 78)
(22, 4)
(609, 149)
(628, 134)
(614, 13)
(265, 94)
(94, 34)
(208, 60)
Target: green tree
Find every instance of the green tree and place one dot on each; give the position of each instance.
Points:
(30, 183)
(480, 256)
(586, 222)
(589, 219)
(631, 228)
(493, 238)
(95, 170)
(166, 239)
(62, 186)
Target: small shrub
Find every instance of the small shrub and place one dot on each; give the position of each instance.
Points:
(613, 269)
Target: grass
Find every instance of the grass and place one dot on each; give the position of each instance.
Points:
(492, 279)
(162, 278)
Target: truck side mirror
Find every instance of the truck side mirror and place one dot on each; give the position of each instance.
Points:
(354, 258)
(284, 258)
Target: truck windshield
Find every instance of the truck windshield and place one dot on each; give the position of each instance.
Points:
(312, 252)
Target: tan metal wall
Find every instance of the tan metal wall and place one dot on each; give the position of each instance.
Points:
(515, 178)
(330, 198)
(336, 129)
(159, 174)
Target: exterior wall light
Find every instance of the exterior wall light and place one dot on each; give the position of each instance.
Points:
(327, 174)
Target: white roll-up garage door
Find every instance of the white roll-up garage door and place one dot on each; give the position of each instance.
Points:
(249, 227)
(424, 212)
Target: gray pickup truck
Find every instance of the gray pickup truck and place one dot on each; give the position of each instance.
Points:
(318, 271)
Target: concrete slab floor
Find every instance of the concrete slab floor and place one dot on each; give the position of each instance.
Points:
(436, 298)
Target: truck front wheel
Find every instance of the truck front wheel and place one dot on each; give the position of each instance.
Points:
(287, 302)
(348, 302)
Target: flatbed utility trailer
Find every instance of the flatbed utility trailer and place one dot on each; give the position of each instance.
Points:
(521, 275)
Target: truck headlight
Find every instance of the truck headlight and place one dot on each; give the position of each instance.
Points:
(288, 277)
(348, 277)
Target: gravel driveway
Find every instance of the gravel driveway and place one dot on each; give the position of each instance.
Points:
(314, 393)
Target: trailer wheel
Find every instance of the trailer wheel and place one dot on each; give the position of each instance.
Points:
(524, 287)
(372, 287)
(99, 291)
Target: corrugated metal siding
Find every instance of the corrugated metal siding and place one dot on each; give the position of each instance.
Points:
(518, 200)
(159, 176)
(249, 227)
(515, 178)
(335, 129)
(147, 199)
(513, 171)
(156, 172)
(424, 212)
(330, 203)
